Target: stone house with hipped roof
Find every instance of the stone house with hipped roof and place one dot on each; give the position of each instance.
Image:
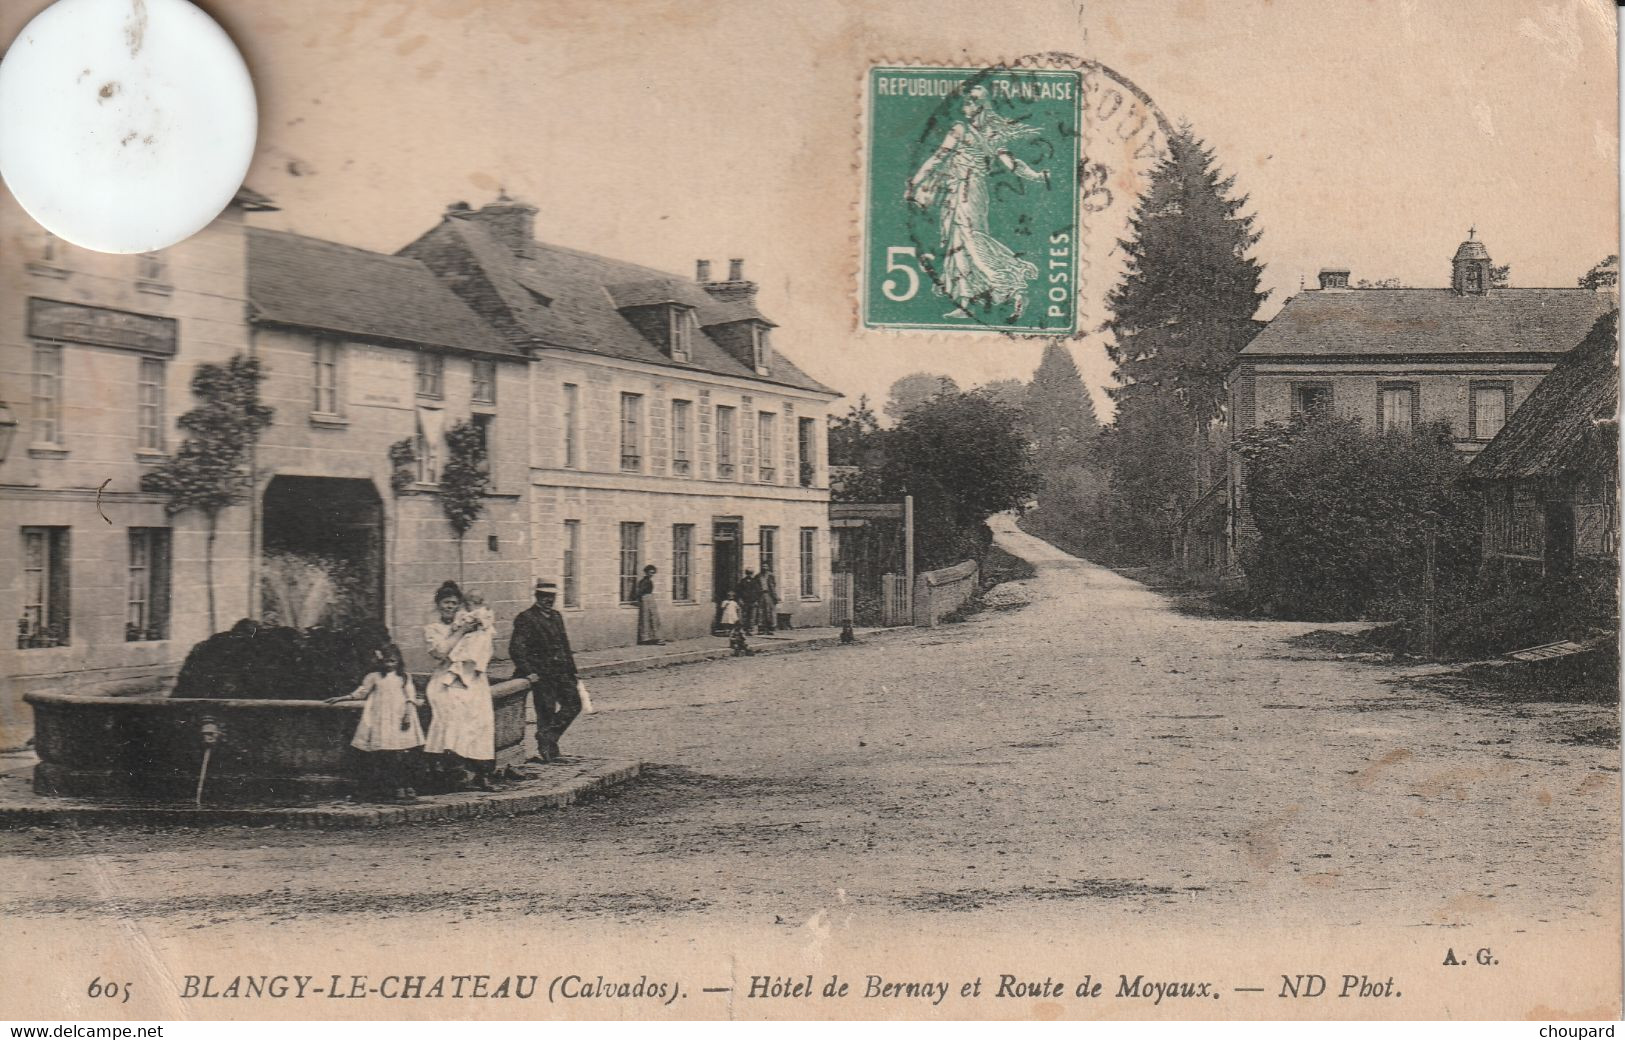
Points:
(1467, 355)
(666, 429)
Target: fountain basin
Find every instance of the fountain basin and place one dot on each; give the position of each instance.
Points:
(265, 752)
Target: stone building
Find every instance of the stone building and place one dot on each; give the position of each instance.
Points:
(364, 351)
(1467, 355)
(666, 428)
(96, 357)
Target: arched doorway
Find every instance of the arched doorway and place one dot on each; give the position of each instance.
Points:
(321, 552)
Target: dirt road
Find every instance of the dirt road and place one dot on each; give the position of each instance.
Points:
(1093, 753)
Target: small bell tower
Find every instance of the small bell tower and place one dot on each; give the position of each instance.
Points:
(1470, 267)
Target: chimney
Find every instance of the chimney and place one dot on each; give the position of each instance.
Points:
(702, 271)
(1334, 279)
(509, 221)
(735, 288)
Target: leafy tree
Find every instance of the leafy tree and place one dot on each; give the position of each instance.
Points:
(1603, 273)
(210, 471)
(1012, 393)
(963, 459)
(1500, 276)
(849, 433)
(465, 480)
(1380, 283)
(1343, 516)
(915, 389)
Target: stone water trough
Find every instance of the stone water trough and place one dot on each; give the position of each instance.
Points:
(260, 752)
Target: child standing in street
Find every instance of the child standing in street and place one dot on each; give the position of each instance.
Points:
(389, 732)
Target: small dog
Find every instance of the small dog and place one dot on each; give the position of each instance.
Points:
(847, 635)
(737, 643)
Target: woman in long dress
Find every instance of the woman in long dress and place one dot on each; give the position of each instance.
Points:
(463, 726)
(648, 609)
(975, 266)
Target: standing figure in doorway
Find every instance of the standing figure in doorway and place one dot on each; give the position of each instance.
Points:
(749, 594)
(540, 650)
(648, 610)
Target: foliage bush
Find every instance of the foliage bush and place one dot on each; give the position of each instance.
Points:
(1343, 516)
(273, 662)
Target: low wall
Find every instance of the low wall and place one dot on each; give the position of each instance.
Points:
(266, 752)
(941, 592)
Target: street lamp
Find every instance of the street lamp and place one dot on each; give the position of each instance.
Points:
(8, 430)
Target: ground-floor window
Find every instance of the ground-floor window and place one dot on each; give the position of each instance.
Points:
(146, 614)
(682, 563)
(572, 563)
(809, 562)
(46, 617)
(631, 560)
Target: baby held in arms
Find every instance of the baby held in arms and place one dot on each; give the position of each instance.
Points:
(472, 654)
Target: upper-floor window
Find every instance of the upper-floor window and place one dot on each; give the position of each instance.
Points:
(682, 437)
(324, 381)
(431, 374)
(151, 267)
(806, 450)
(572, 421)
(485, 381)
(1312, 399)
(767, 446)
(149, 412)
(1487, 409)
(761, 348)
(725, 442)
(632, 432)
(50, 251)
(431, 430)
(684, 327)
(46, 399)
(1396, 406)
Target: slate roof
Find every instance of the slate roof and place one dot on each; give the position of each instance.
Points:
(314, 284)
(1389, 322)
(580, 299)
(1569, 424)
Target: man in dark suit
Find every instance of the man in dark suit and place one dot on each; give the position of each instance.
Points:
(749, 594)
(540, 651)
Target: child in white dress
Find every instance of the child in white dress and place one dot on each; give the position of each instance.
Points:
(389, 732)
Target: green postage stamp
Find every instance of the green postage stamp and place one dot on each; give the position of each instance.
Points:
(971, 208)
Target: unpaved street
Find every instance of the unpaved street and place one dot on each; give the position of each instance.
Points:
(1093, 753)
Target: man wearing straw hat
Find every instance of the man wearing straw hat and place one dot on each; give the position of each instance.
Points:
(540, 651)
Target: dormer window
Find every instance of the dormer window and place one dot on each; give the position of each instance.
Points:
(761, 349)
(683, 327)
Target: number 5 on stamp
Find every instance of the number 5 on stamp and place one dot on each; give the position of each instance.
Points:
(971, 199)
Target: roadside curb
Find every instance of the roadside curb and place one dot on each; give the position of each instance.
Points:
(22, 808)
(760, 649)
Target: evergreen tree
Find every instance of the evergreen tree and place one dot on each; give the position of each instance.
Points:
(1184, 308)
(1060, 416)
(1182, 312)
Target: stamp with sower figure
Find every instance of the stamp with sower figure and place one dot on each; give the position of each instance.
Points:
(972, 207)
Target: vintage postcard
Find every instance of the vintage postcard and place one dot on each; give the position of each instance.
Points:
(841, 510)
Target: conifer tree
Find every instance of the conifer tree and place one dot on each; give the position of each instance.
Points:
(1182, 312)
(1060, 417)
(1184, 308)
